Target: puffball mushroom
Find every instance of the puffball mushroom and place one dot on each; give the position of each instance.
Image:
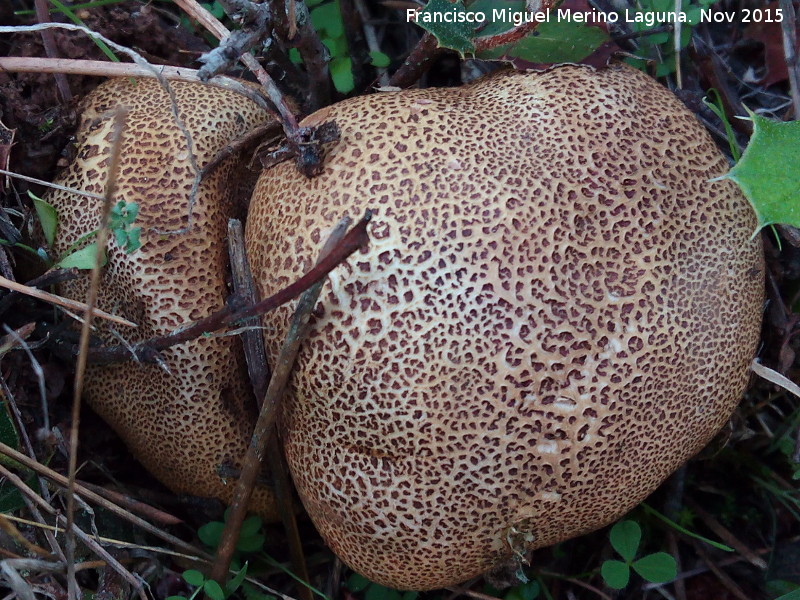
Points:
(184, 424)
(557, 309)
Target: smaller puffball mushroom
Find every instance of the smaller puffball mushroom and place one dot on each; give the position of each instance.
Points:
(558, 308)
(185, 424)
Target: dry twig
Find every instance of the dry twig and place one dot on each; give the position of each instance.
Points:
(269, 411)
(62, 302)
(256, 359)
(94, 286)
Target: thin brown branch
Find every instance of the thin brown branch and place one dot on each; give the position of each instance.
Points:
(257, 133)
(315, 58)
(256, 358)
(48, 39)
(417, 63)
(245, 288)
(269, 412)
(230, 315)
(134, 505)
(357, 43)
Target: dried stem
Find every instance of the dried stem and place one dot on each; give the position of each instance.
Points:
(357, 43)
(43, 16)
(417, 63)
(315, 57)
(102, 237)
(256, 358)
(789, 28)
(63, 302)
(269, 412)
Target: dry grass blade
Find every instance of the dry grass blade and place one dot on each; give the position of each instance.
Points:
(94, 68)
(726, 536)
(268, 414)
(63, 302)
(774, 377)
(80, 370)
(97, 499)
(8, 527)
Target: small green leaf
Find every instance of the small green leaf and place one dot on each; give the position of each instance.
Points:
(410, 595)
(176, 598)
(650, 510)
(379, 59)
(327, 19)
(555, 41)
(769, 171)
(210, 533)
(251, 543)
(656, 568)
(342, 74)
(625, 537)
(121, 237)
(445, 21)
(357, 582)
(250, 526)
(379, 592)
(134, 243)
(793, 595)
(336, 46)
(526, 591)
(237, 580)
(81, 259)
(194, 577)
(213, 590)
(48, 217)
(615, 573)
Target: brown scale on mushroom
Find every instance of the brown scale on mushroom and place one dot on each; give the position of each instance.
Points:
(181, 425)
(556, 310)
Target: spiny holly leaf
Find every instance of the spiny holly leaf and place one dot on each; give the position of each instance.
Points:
(769, 171)
(555, 40)
(445, 21)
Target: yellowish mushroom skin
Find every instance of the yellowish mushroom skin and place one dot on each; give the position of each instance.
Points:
(184, 424)
(557, 309)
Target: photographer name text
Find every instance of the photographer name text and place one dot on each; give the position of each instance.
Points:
(649, 19)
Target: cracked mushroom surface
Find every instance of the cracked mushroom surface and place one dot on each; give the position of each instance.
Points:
(184, 424)
(557, 309)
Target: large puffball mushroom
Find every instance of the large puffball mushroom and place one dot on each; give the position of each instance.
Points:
(557, 309)
(184, 424)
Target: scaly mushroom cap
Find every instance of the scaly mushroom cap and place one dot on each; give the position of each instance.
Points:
(556, 310)
(180, 426)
